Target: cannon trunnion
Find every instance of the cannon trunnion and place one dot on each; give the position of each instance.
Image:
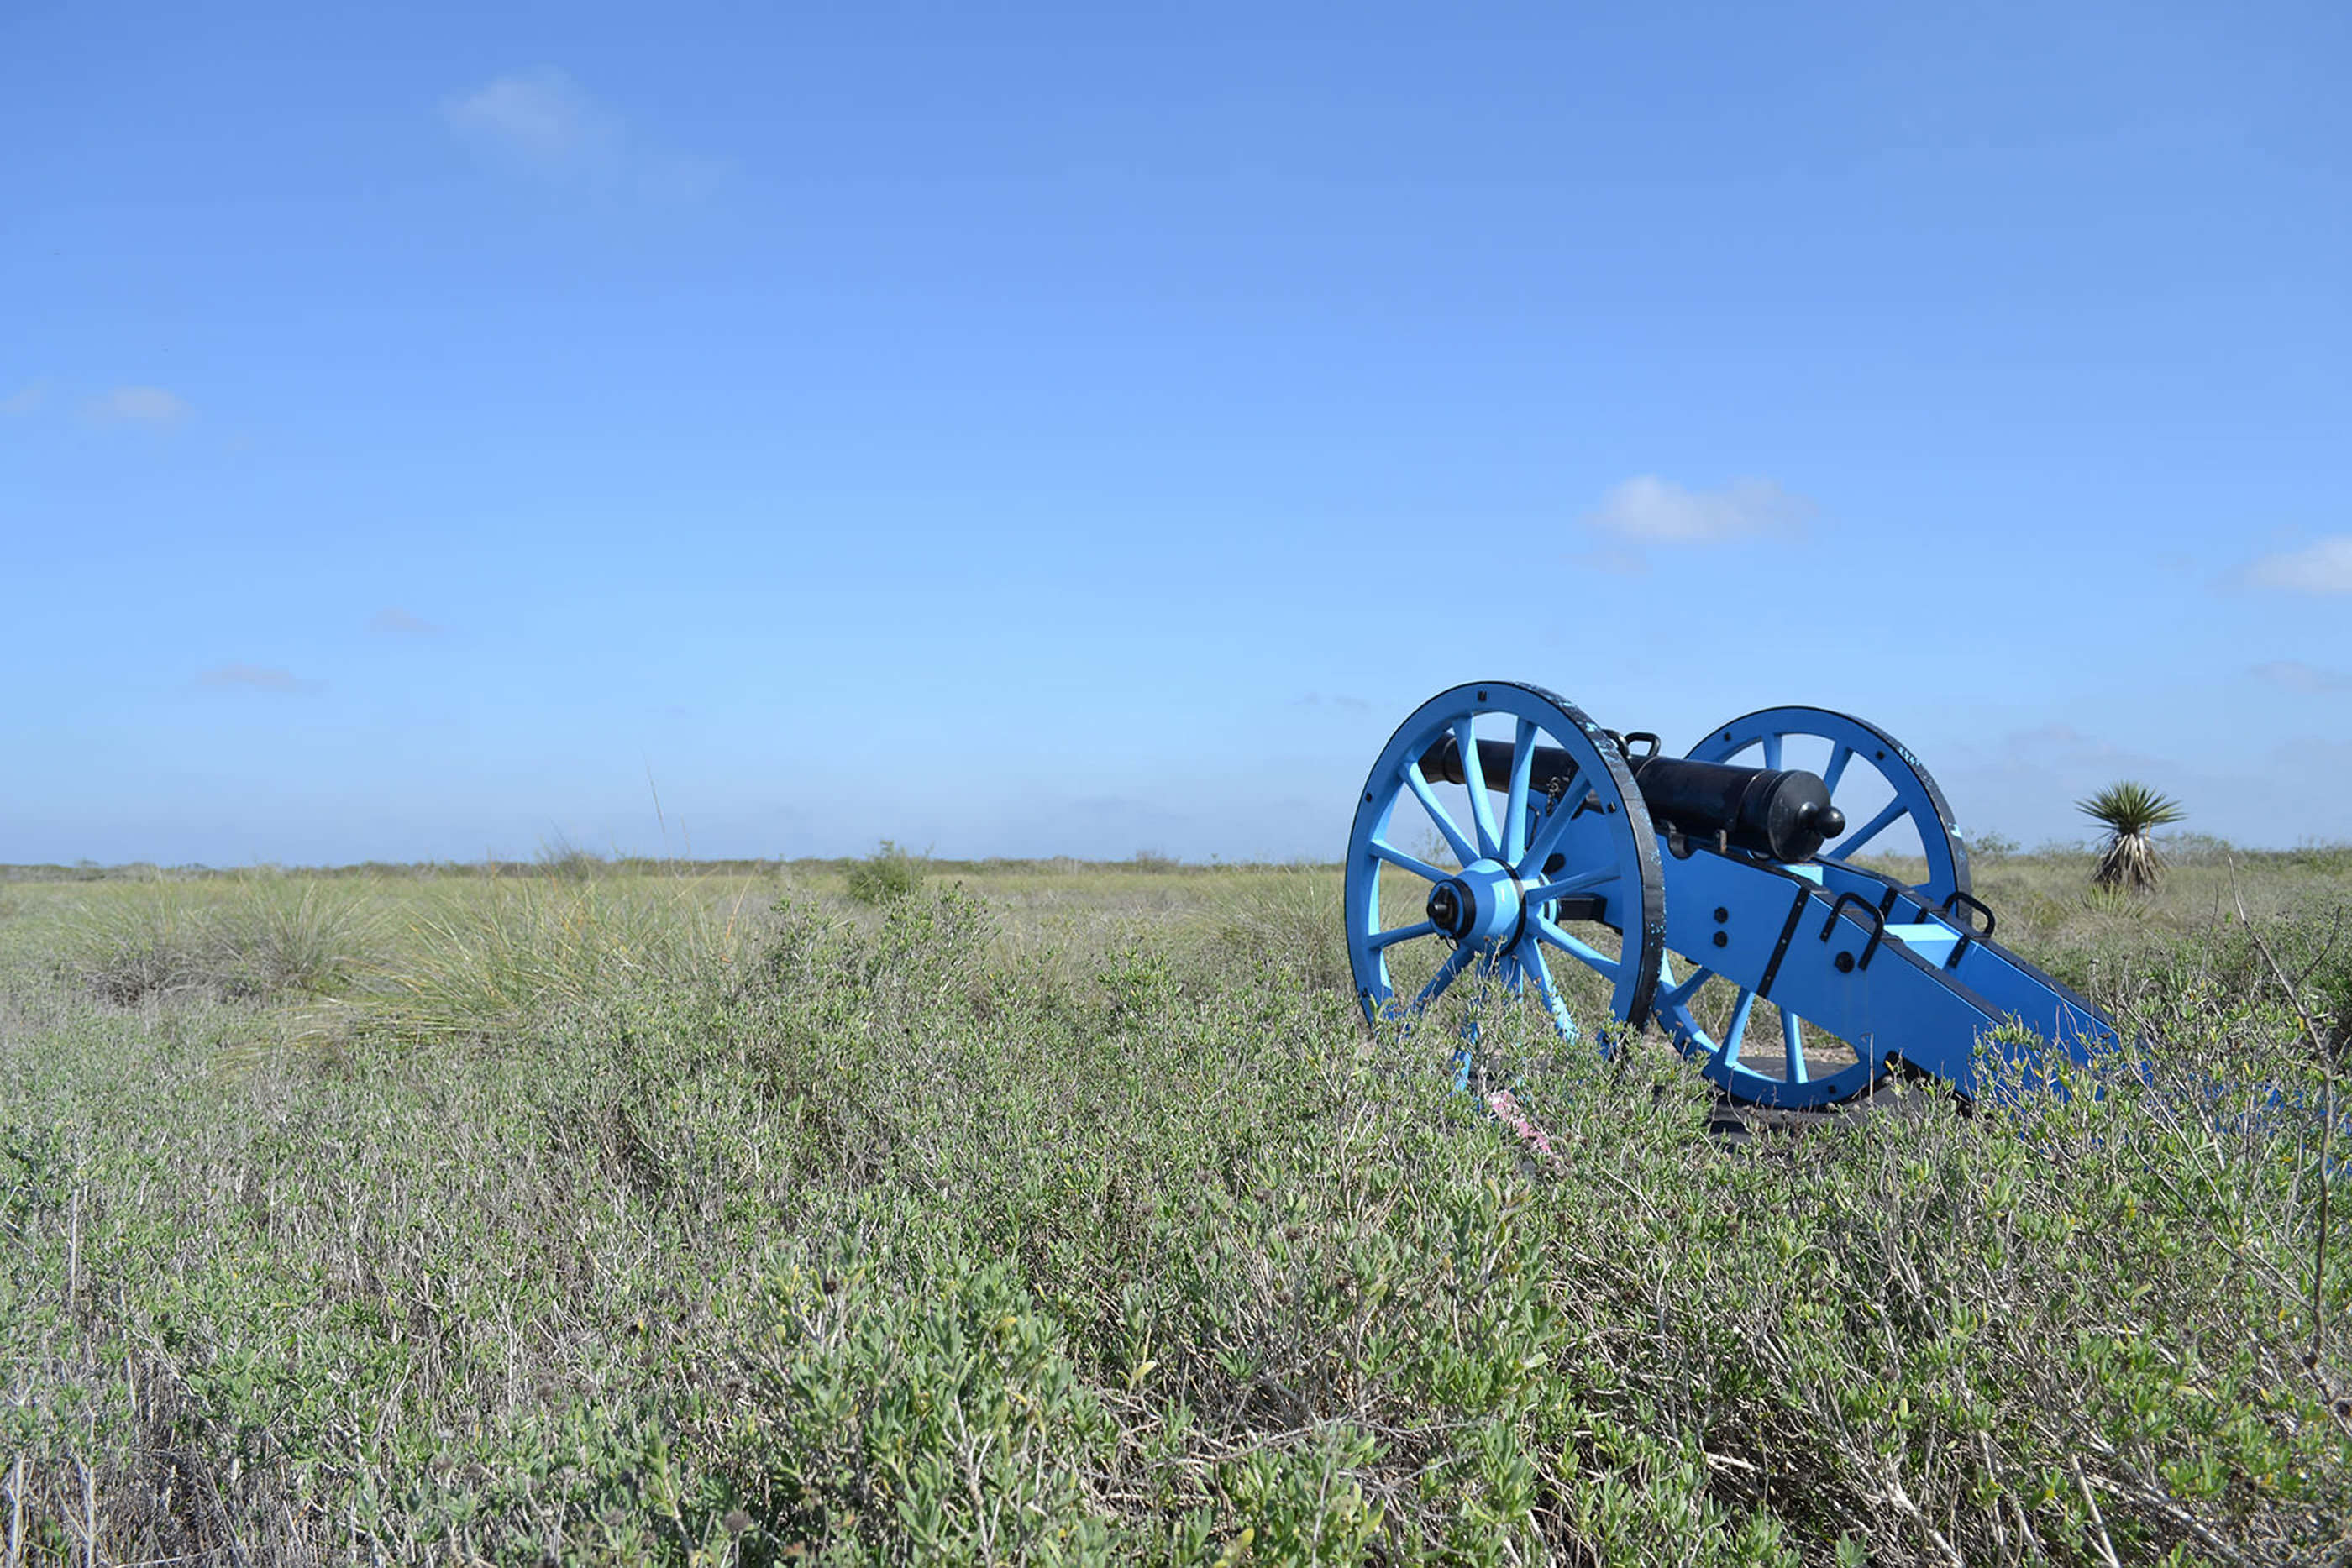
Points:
(1705, 892)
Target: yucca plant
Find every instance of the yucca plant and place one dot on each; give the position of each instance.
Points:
(2128, 811)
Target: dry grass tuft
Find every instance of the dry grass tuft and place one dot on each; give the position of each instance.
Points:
(258, 936)
(486, 959)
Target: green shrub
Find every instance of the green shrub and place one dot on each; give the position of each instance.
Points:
(943, 1423)
(1989, 848)
(884, 1238)
(890, 873)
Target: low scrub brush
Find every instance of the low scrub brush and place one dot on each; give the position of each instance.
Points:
(887, 876)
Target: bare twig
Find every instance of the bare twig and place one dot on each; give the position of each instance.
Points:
(2143, 1492)
(2098, 1523)
(16, 1489)
(2327, 1117)
(2335, 932)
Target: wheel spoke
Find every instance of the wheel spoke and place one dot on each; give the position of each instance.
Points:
(1514, 805)
(1679, 996)
(1773, 752)
(1870, 830)
(1584, 882)
(1838, 759)
(1463, 851)
(1792, 1035)
(1554, 829)
(1513, 974)
(1531, 959)
(1387, 851)
(1443, 977)
(1474, 776)
(1380, 939)
(1465, 1028)
(1737, 1030)
(1583, 952)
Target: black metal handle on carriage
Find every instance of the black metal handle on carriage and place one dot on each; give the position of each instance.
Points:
(1878, 929)
(1957, 896)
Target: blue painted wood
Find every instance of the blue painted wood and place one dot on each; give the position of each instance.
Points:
(1597, 838)
(1837, 949)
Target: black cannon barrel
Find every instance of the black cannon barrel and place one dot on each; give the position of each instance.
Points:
(1554, 769)
(1783, 813)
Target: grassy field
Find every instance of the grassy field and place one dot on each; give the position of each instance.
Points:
(914, 1212)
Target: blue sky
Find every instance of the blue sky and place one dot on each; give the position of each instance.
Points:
(425, 430)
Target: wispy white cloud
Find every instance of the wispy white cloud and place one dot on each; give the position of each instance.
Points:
(1651, 510)
(146, 405)
(2295, 675)
(540, 114)
(393, 622)
(26, 400)
(257, 678)
(2323, 566)
(540, 122)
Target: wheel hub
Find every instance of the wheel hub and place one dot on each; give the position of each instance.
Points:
(1478, 903)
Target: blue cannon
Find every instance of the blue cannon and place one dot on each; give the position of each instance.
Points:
(1574, 848)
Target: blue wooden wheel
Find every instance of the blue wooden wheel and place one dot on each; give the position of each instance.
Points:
(1799, 1070)
(1527, 863)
